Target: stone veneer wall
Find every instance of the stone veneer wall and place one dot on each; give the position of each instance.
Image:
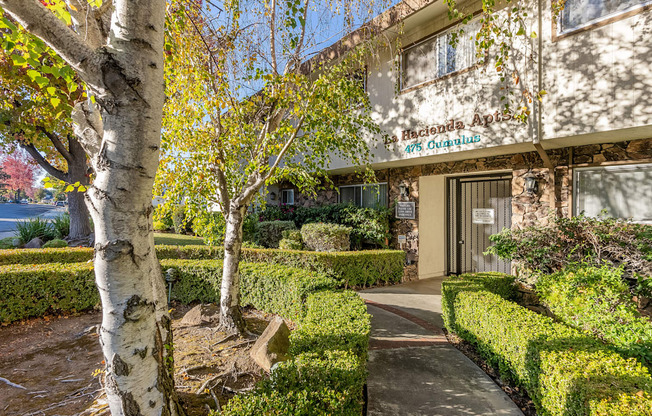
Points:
(526, 209)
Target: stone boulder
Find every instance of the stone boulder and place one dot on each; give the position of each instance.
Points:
(204, 314)
(273, 345)
(34, 243)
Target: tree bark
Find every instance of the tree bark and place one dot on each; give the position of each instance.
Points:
(80, 224)
(230, 314)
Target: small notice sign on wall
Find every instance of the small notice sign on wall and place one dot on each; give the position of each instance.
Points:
(484, 216)
(405, 210)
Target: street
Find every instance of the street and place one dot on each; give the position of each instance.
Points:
(10, 213)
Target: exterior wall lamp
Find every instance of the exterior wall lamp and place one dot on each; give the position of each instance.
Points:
(272, 196)
(531, 184)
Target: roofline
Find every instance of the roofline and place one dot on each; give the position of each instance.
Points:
(389, 18)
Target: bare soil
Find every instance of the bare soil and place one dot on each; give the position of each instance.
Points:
(52, 366)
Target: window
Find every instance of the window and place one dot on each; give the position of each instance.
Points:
(287, 196)
(581, 13)
(623, 191)
(435, 57)
(367, 196)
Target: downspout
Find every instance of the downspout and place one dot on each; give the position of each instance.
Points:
(536, 139)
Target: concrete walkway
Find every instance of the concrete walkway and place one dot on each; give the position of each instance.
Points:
(413, 370)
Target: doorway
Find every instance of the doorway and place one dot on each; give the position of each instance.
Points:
(478, 206)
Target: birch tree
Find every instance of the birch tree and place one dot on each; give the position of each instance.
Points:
(116, 49)
(247, 108)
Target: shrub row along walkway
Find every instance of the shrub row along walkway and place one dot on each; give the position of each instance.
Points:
(413, 370)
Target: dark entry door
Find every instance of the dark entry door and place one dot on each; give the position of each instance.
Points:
(477, 208)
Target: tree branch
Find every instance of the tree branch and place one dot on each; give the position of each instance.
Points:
(43, 162)
(56, 143)
(42, 23)
(272, 36)
(87, 23)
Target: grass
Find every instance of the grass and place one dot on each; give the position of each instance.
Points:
(177, 239)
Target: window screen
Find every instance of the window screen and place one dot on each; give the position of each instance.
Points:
(621, 191)
(580, 13)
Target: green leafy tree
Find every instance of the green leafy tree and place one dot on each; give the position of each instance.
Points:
(38, 91)
(244, 110)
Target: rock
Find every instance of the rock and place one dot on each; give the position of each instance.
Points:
(201, 315)
(16, 242)
(34, 243)
(273, 346)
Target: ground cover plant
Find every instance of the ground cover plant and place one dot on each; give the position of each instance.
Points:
(564, 371)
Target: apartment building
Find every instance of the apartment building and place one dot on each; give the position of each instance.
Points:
(457, 169)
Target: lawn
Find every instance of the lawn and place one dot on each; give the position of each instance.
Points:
(177, 239)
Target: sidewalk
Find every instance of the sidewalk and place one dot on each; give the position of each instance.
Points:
(413, 370)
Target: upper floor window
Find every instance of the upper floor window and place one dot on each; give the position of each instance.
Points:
(435, 57)
(623, 191)
(578, 14)
(367, 196)
(287, 196)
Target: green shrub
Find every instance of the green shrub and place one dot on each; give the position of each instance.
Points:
(61, 226)
(564, 372)
(32, 228)
(56, 243)
(549, 248)
(269, 233)
(291, 240)
(326, 237)
(266, 287)
(333, 321)
(370, 226)
(45, 255)
(310, 384)
(160, 226)
(351, 268)
(498, 283)
(7, 243)
(180, 221)
(33, 290)
(598, 301)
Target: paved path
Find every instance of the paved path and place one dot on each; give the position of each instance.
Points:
(413, 370)
(10, 213)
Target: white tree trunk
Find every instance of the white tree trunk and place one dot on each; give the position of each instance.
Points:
(136, 334)
(230, 315)
(125, 76)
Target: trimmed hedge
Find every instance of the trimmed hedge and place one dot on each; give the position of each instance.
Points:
(564, 372)
(45, 255)
(33, 290)
(328, 371)
(319, 236)
(269, 233)
(266, 287)
(351, 268)
(598, 301)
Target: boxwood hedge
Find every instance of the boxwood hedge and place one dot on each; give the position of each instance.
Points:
(564, 371)
(351, 268)
(327, 372)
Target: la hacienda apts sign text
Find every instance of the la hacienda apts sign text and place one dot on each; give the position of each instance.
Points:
(450, 126)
